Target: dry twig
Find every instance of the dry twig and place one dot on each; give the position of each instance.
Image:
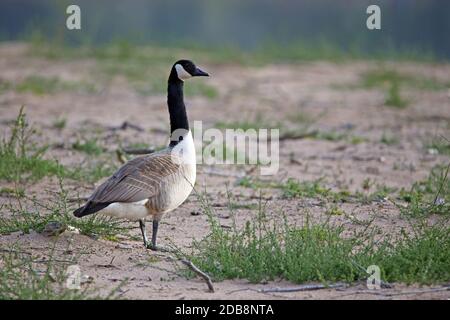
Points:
(194, 268)
(125, 125)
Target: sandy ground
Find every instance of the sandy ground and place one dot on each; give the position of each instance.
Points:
(321, 90)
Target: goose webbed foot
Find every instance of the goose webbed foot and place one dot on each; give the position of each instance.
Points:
(159, 248)
(151, 245)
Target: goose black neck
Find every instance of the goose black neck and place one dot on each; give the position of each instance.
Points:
(177, 109)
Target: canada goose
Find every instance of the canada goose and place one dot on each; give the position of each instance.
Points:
(157, 183)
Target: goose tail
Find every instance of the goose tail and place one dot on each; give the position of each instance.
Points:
(89, 208)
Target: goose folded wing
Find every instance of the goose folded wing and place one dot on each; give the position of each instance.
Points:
(137, 180)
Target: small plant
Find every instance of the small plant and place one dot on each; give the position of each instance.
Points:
(441, 146)
(334, 210)
(381, 193)
(25, 220)
(15, 192)
(88, 146)
(394, 98)
(310, 189)
(367, 183)
(293, 188)
(248, 182)
(20, 278)
(392, 81)
(19, 159)
(60, 123)
(28, 277)
(337, 136)
(430, 196)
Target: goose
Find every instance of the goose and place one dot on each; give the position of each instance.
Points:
(154, 184)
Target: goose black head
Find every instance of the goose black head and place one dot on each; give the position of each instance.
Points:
(185, 69)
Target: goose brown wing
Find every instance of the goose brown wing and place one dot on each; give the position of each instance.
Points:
(137, 180)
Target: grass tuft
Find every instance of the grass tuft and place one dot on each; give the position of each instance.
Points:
(267, 248)
(19, 159)
(429, 196)
(88, 146)
(27, 277)
(25, 220)
(392, 81)
(394, 98)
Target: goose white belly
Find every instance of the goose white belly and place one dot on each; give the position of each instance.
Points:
(131, 211)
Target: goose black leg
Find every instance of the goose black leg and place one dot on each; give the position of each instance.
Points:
(154, 234)
(152, 245)
(144, 233)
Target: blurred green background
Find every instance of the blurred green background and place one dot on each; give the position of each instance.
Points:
(282, 29)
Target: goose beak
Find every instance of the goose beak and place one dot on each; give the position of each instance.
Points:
(200, 73)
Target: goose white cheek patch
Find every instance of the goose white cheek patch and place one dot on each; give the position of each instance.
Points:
(182, 74)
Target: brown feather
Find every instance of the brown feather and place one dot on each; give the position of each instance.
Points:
(137, 180)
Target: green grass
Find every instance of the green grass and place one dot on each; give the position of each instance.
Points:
(39, 85)
(257, 122)
(293, 188)
(20, 279)
(385, 77)
(145, 68)
(16, 192)
(267, 248)
(381, 193)
(88, 146)
(25, 219)
(249, 182)
(337, 136)
(429, 196)
(21, 160)
(198, 88)
(24, 276)
(125, 51)
(60, 123)
(441, 145)
(393, 98)
(393, 82)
